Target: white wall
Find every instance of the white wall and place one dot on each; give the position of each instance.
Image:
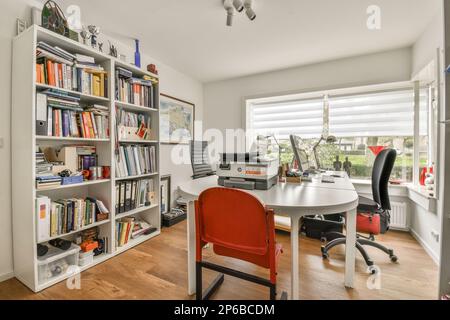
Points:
(224, 99)
(173, 83)
(423, 223)
(424, 50)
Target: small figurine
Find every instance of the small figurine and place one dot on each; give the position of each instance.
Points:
(84, 35)
(112, 50)
(347, 166)
(100, 46)
(94, 31)
(337, 164)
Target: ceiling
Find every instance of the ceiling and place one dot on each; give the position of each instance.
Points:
(191, 36)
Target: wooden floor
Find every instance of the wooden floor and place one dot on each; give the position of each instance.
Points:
(157, 270)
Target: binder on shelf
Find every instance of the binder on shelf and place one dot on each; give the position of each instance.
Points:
(122, 197)
(41, 115)
(117, 198)
(43, 219)
(128, 187)
(133, 193)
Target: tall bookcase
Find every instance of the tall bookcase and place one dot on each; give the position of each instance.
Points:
(25, 143)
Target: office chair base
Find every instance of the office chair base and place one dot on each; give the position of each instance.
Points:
(359, 245)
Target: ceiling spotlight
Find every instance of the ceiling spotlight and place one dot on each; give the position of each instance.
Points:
(230, 12)
(238, 5)
(248, 4)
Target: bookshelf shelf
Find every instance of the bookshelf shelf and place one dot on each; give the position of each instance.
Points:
(136, 211)
(134, 107)
(75, 185)
(137, 71)
(134, 242)
(137, 177)
(84, 97)
(138, 141)
(51, 138)
(95, 224)
(25, 143)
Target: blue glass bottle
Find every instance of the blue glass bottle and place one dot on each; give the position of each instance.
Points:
(137, 55)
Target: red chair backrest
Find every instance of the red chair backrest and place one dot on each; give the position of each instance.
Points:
(234, 219)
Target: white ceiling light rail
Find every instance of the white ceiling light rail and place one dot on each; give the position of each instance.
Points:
(238, 5)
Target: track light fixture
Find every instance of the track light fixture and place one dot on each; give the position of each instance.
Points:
(248, 4)
(238, 5)
(230, 12)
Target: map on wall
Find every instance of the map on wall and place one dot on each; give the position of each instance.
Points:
(176, 120)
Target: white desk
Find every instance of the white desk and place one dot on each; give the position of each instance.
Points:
(294, 201)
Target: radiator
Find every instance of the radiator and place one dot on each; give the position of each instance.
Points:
(398, 215)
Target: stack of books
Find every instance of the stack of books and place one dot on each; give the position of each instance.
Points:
(131, 228)
(87, 157)
(66, 118)
(59, 68)
(67, 215)
(134, 194)
(138, 91)
(46, 182)
(133, 160)
(43, 168)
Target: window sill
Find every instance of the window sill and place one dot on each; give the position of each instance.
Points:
(417, 194)
(420, 196)
(365, 187)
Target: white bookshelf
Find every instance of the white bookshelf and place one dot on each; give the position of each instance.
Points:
(25, 143)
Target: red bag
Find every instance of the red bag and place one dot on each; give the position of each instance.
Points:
(368, 223)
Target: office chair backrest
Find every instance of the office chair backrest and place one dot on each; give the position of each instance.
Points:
(234, 219)
(200, 159)
(382, 168)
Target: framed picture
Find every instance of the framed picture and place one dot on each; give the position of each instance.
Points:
(176, 120)
(165, 194)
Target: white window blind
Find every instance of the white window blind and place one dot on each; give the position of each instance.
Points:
(283, 118)
(373, 114)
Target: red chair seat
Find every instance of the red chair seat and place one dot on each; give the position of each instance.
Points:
(259, 260)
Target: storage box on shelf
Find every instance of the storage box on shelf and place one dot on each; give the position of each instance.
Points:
(84, 97)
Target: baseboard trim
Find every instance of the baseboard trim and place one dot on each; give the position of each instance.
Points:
(425, 246)
(6, 276)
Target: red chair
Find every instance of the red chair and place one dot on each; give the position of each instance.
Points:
(238, 225)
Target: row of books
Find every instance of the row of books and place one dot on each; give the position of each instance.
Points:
(132, 119)
(57, 67)
(137, 91)
(66, 215)
(66, 118)
(133, 160)
(131, 228)
(134, 194)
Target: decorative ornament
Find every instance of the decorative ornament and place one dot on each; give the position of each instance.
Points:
(53, 19)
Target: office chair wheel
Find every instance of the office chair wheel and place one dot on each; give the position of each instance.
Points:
(325, 254)
(372, 270)
(393, 258)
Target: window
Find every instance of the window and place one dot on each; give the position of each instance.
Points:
(361, 120)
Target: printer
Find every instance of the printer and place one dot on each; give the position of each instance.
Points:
(249, 171)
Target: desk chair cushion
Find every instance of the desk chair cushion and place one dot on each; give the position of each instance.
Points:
(262, 261)
(367, 205)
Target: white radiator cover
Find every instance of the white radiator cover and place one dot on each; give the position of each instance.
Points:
(399, 218)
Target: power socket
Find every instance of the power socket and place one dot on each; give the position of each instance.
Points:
(435, 235)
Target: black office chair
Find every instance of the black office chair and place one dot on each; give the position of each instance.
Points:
(380, 205)
(201, 166)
